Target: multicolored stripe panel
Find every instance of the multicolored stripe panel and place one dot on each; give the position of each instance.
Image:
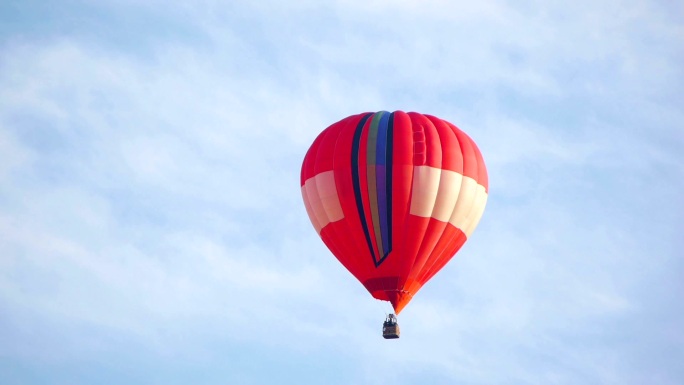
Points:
(394, 196)
(378, 149)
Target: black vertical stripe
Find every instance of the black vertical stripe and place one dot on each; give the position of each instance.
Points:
(388, 177)
(356, 180)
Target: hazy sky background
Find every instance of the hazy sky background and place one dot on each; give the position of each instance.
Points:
(152, 229)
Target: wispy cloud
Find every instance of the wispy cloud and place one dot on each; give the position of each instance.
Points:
(151, 223)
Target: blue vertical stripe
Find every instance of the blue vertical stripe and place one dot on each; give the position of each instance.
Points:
(381, 177)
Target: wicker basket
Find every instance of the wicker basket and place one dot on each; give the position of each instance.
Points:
(389, 332)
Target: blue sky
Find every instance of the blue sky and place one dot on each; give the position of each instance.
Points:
(152, 229)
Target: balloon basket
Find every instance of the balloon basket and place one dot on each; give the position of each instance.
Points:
(390, 328)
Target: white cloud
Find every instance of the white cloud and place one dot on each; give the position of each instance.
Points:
(154, 197)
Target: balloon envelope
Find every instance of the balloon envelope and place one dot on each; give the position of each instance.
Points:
(394, 196)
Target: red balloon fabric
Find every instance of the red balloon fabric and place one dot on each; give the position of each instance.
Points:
(394, 196)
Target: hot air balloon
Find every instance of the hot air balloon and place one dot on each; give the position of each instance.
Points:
(394, 196)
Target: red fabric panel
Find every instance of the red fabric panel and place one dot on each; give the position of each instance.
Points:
(424, 130)
(340, 249)
(310, 159)
(436, 240)
(482, 176)
(396, 264)
(452, 157)
(335, 234)
(468, 152)
(452, 241)
(428, 232)
(350, 225)
(472, 157)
